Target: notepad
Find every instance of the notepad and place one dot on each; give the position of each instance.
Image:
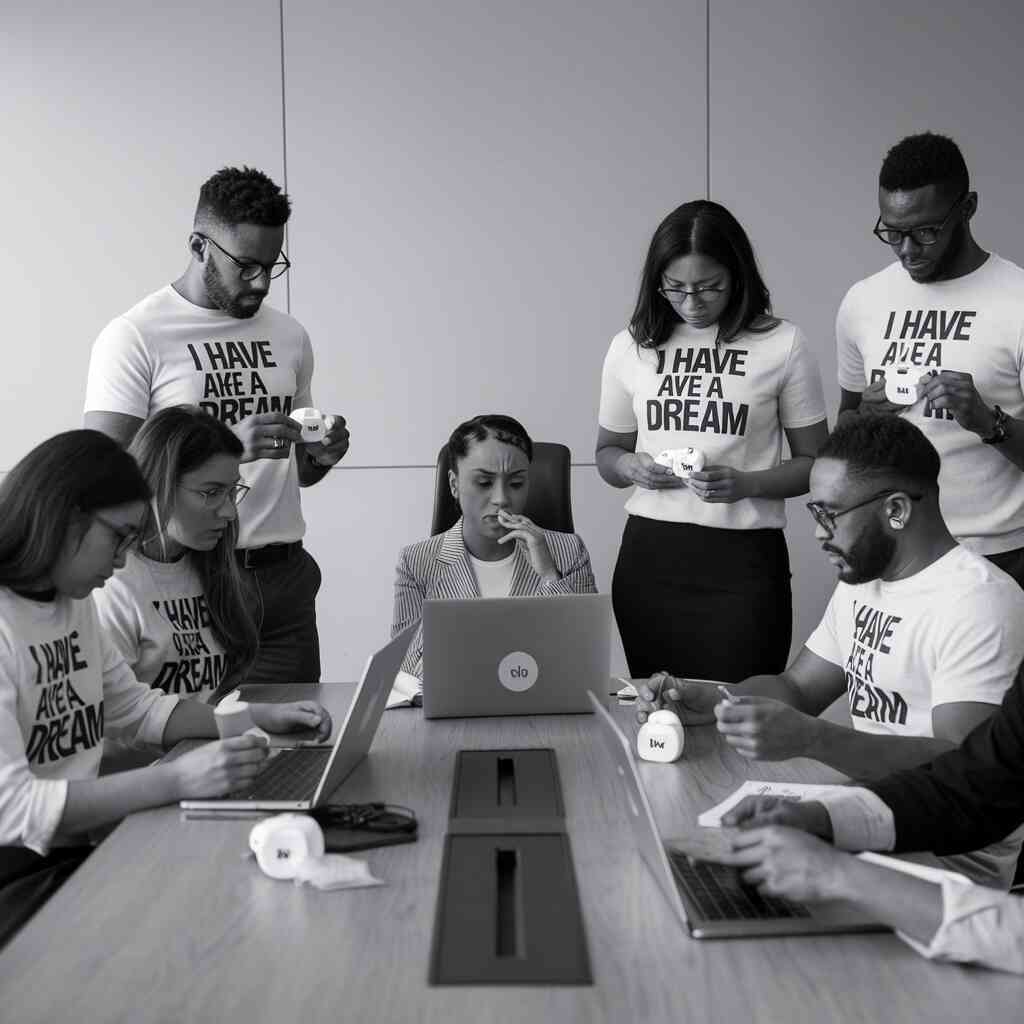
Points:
(785, 790)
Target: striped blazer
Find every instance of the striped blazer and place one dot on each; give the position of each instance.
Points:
(440, 567)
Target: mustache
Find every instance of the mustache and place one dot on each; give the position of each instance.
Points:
(833, 550)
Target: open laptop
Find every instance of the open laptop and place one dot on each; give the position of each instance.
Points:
(301, 778)
(514, 655)
(710, 899)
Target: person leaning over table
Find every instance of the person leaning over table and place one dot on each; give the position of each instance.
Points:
(69, 511)
(705, 364)
(922, 635)
(963, 799)
(493, 550)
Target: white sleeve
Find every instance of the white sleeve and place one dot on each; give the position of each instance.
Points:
(120, 374)
(801, 398)
(980, 646)
(979, 926)
(132, 711)
(615, 411)
(304, 378)
(861, 820)
(848, 353)
(824, 641)
(117, 619)
(30, 808)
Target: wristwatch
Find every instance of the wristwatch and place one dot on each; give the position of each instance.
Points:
(1000, 428)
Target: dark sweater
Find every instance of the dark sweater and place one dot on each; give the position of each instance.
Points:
(968, 797)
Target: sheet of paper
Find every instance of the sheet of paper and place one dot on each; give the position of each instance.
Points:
(712, 818)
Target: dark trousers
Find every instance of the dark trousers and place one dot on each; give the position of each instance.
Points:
(1011, 562)
(284, 604)
(27, 881)
(702, 602)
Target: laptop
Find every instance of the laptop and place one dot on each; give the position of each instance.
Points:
(301, 778)
(710, 899)
(534, 655)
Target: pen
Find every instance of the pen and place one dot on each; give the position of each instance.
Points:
(728, 695)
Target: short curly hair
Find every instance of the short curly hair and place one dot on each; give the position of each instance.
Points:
(242, 196)
(479, 428)
(925, 159)
(883, 446)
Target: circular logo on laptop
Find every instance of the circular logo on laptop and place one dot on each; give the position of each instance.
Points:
(517, 671)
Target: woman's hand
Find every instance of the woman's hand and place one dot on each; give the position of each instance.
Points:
(299, 714)
(721, 484)
(643, 471)
(535, 543)
(220, 767)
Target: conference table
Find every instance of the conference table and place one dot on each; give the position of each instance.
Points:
(169, 921)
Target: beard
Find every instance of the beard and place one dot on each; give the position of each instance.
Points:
(217, 292)
(868, 557)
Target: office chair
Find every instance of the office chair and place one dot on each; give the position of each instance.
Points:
(549, 503)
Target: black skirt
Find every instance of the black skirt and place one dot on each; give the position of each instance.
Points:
(703, 602)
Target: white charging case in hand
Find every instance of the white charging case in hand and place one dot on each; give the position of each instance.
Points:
(312, 423)
(661, 737)
(901, 385)
(682, 461)
(284, 842)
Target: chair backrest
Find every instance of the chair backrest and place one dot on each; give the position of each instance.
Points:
(549, 503)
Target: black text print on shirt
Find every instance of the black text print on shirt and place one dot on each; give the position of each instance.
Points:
(873, 631)
(232, 385)
(691, 397)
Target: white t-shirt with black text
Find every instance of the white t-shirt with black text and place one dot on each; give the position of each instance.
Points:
(168, 351)
(731, 400)
(973, 324)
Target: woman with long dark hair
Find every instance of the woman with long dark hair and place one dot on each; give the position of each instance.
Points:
(701, 587)
(178, 610)
(69, 512)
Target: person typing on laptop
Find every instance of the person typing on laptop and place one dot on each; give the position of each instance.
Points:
(493, 550)
(923, 636)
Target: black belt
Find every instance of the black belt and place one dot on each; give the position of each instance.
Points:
(270, 554)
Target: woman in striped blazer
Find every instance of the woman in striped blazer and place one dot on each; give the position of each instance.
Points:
(493, 550)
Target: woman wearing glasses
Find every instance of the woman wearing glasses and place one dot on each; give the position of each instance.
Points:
(701, 587)
(69, 512)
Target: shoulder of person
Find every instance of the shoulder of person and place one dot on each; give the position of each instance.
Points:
(865, 289)
(624, 345)
(982, 591)
(423, 552)
(567, 545)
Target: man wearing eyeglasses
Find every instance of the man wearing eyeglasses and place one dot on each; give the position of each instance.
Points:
(209, 340)
(922, 635)
(947, 318)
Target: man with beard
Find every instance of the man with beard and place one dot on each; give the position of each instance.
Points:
(947, 320)
(208, 340)
(921, 634)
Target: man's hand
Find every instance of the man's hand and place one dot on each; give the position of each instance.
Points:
(873, 400)
(765, 729)
(693, 703)
(791, 864)
(761, 811)
(642, 470)
(267, 435)
(335, 442)
(290, 717)
(955, 391)
(721, 484)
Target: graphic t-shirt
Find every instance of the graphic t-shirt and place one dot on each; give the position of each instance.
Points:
(732, 401)
(167, 351)
(63, 686)
(975, 325)
(156, 615)
(494, 579)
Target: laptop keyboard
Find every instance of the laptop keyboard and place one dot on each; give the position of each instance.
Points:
(291, 775)
(721, 895)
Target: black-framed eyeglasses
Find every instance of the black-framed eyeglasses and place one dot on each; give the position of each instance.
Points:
(125, 538)
(214, 497)
(681, 294)
(249, 270)
(826, 517)
(926, 234)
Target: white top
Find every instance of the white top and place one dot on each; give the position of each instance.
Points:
(949, 633)
(156, 614)
(974, 324)
(494, 579)
(732, 401)
(62, 687)
(166, 351)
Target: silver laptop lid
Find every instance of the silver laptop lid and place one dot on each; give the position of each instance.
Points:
(364, 713)
(530, 655)
(641, 817)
